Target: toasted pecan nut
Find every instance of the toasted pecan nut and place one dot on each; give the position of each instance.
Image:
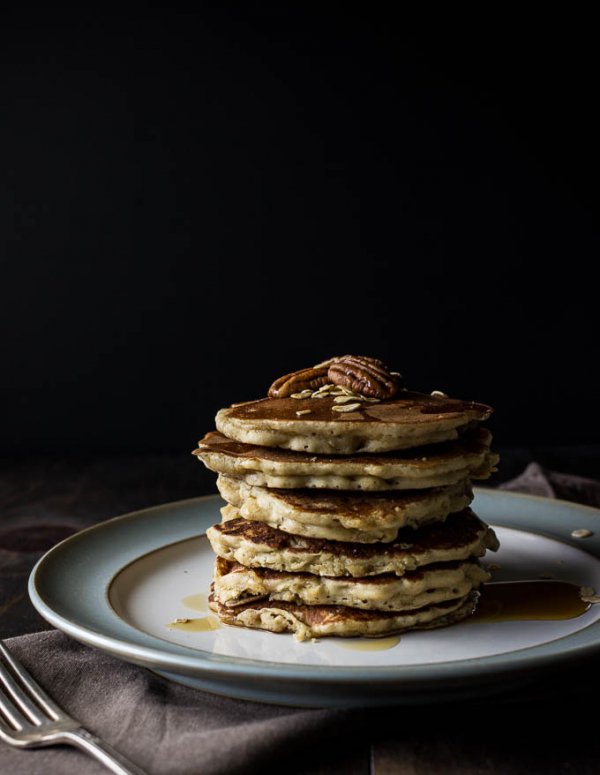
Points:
(364, 375)
(305, 379)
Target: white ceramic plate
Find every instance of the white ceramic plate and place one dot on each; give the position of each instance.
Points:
(119, 585)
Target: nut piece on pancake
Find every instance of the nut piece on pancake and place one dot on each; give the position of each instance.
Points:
(306, 379)
(363, 375)
(366, 376)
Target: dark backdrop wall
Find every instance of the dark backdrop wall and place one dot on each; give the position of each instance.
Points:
(193, 203)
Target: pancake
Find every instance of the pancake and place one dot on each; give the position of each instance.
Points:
(433, 466)
(312, 425)
(257, 545)
(235, 585)
(314, 621)
(339, 516)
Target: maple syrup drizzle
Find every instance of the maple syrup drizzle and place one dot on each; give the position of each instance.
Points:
(537, 600)
(370, 644)
(197, 602)
(202, 624)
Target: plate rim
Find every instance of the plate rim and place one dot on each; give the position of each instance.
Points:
(199, 662)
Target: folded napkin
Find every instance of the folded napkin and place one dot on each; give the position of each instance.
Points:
(537, 480)
(162, 726)
(168, 728)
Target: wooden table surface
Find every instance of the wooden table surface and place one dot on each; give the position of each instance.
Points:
(548, 727)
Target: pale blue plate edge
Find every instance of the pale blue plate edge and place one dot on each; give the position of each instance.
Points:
(551, 517)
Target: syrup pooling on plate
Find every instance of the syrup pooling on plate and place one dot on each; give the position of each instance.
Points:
(201, 624)
(505, 601)
(372, 644)
(198, 602)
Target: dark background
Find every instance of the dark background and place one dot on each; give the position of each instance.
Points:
(193, 203)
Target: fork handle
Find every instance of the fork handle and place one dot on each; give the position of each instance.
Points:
(103, 752)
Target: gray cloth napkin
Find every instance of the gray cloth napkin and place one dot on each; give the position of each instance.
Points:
(162, 726)
(536, 480)
(167, 728)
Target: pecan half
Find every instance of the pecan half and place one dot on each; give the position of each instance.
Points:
(305, 379)
(367, 376)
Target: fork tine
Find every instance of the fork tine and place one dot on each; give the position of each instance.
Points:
(10, 718)
(22, 700)
(21, 705)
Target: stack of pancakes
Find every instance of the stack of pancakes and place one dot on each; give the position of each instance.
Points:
(348, 505)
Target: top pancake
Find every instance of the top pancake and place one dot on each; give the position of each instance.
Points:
(313, 425)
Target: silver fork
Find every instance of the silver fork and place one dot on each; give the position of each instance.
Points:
(30, 719)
